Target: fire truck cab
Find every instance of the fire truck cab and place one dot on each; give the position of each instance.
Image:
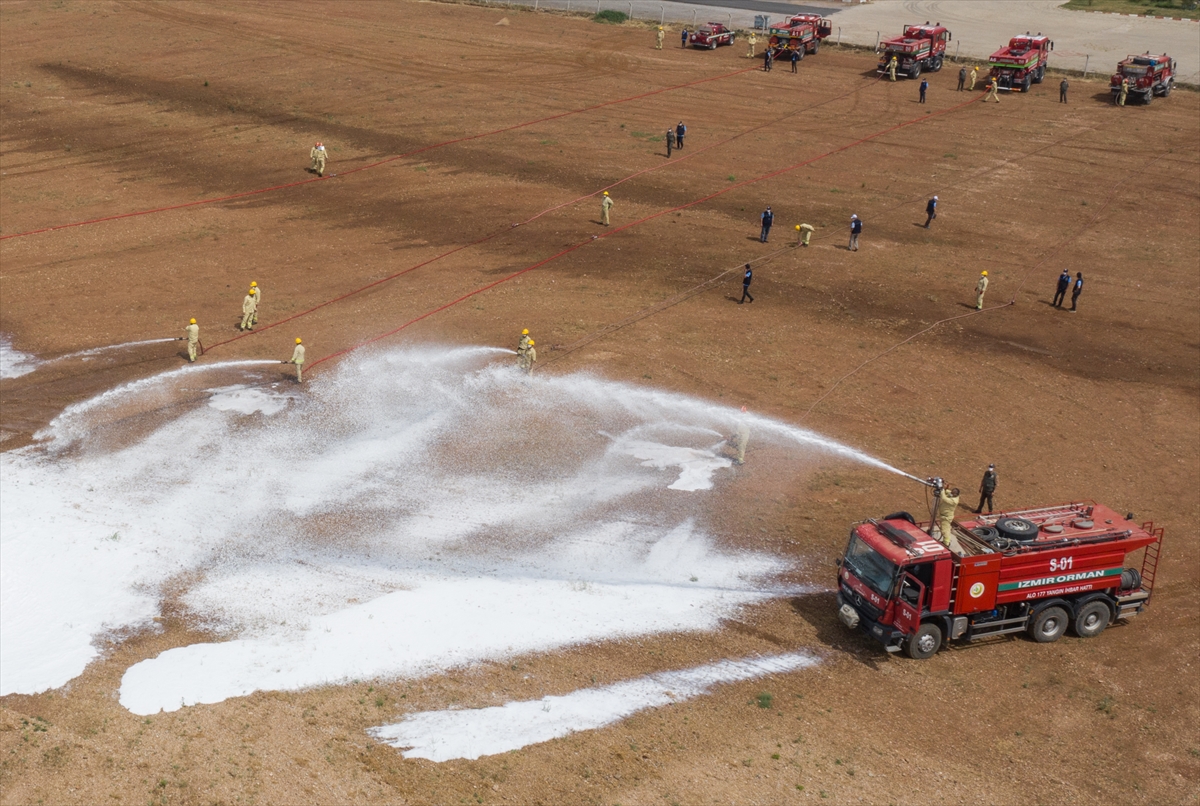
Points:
(921, 47)
(1036, 571)
(1147, 76)
(801, 33)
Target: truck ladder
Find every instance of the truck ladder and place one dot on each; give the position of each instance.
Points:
(1150, 558)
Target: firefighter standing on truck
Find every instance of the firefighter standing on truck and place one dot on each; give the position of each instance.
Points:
(947, 503)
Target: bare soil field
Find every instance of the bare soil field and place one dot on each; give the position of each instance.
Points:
(115, 107)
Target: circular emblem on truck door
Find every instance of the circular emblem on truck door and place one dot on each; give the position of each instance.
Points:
(976, 590)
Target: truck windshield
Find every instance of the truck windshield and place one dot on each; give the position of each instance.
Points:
(878, 572)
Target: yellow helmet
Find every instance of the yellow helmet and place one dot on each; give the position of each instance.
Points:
(531, 342)
(253, 291)
(606, 193)
(253, 284)
(297, 340)
(983, 274)
(660, 27)
(191, 321)
(797, 228)
(525, 332)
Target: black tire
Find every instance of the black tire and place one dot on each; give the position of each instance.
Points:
(937, 64)
(730, 42)
(1025, 84)
(1039, 75)
(1091, 619)
(1017, 529)
(1049, 625)
(800, 54)
(1147, 97)
(985, 533)
(1170, 85)
(712, 45)
(816, 46)
(1131, 579)
(900, 516)
(914, 71)
(925, 642)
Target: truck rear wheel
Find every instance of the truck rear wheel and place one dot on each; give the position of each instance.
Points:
(937, 64)
(925, 642)
(1049, 625)
(1091, 619)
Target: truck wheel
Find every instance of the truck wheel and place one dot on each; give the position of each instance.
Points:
(937, 64)
(925, 642)
(914, 71)
(1091, 619)
(712, 45)
(800, 53)
(1147, 97)
(1025, 84)
(1017, 529)
(1049, 625)
(1168, 87)
(816, 46)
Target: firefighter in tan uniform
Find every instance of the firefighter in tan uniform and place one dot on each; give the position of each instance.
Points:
(1124, 93)
(974, 75)
(805, 233)
(525, 340)
(297, 359)
(658, 39)
(980, 288)
(257, 302)
(249, 307)
(318, 159)
(193, 339)
(753, 41)
(891, 68)
(993, 89)
(526, 357)
(606, 204)
(739, 440)
(947, 503)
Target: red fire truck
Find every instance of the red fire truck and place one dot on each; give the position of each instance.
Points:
(1022, 63)
(1035, 571)
(921, 47)
(1147, 75)
(711, 34)
(802, 33)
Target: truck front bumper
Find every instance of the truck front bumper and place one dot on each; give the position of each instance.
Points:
(854, 618)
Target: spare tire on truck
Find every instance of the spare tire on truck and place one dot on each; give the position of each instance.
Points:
(1017, 529)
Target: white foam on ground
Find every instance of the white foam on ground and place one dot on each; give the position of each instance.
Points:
(13, 362)
(445, 735)
(247, 400)
(412, 511)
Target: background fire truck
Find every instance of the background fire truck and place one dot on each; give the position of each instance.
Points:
(1036, 571)
(802, 33)
(711, 34)
(1022, 63)
(921, 47)
(1147, 75)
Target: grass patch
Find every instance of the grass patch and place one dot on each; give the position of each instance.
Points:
(764, 699)
(610, 17)
(1153, 8)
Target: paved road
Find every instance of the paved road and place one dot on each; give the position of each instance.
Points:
(980, 27)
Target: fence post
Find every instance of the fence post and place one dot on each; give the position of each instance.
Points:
(729, 20)
(957, 46)
(839, 35)
(662, 14)
(535, 4)
(1086, 59)
(693, 18)
(877, 36)
(630, 10)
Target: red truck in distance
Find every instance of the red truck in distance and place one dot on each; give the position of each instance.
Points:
(1147, 75)
(1022, 63)
(1035, 571)
(920, 47)
(802, 33)
(711, 34)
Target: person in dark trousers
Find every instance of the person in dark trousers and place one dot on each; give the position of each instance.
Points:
(962, 78)
(986, 488)
(924, 86)
(746, 278)
(670, 141)
(1062, 91)
(680, 131)
(795, 61)
(930, 211)
(1076, 289)
(1064, 282)
(855, 231)
(768, 218)
(767, 59)
(683, 38)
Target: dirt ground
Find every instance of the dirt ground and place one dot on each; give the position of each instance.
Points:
(113, 107)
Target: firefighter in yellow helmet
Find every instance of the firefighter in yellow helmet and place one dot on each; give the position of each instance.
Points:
(297, 359)
(318, 155)
(947, 504)
(805, 233)
(257, 302)
(193, 339)
(606, 204)
(249, 307)
(1123, 93)
(980, 288)
(526, 357)
(753, 41)
(993, 89)
(891, 68)
(974, 75)
(658, 39)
